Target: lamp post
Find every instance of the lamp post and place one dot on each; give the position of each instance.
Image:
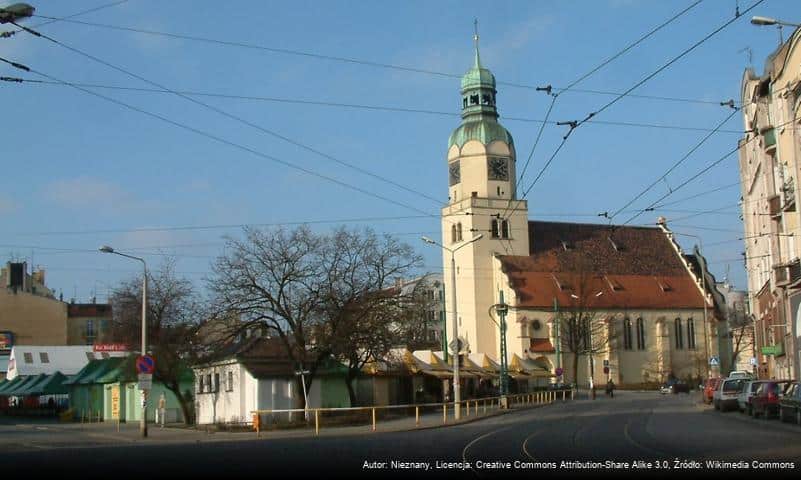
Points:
(18, 11)
(703, 288)
(455, 318)
(766, 21)
(107, 249)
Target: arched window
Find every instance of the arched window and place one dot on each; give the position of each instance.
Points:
(453, 233)
(640, 334)
(677, 334)
(464, 102)
(690, 334)
(494, 228)
(504, 229)
(459, 232)
(627, 344)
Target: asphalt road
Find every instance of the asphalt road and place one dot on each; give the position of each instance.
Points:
(634, 433)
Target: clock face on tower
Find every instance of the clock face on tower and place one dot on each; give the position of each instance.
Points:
(454, 173)
(498, 168)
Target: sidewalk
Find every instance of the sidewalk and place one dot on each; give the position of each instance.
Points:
(40, 435)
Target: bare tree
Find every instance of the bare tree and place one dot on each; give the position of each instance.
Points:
(173, 311)
(581, 330)
(319, 293)
(741, 332)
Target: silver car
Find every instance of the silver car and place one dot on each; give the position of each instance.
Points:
(748, 391)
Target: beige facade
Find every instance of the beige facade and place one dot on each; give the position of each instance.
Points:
(769, 172)
(483, 199)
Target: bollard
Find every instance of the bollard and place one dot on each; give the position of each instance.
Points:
(317, 421)
(485, 406)
(417, 416)
(256, 424)
(444, 413)
(374, 419)
(475, 407)
(467, 409)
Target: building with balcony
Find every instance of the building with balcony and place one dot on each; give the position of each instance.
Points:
(769, 163)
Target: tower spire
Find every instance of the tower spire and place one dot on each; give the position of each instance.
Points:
(475, 40)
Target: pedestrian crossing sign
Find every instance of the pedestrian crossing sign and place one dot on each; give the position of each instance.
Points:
(714, 361)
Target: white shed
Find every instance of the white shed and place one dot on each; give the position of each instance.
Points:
(48, 359)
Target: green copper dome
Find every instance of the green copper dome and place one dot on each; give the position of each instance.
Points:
(485, 131)
(479, 112)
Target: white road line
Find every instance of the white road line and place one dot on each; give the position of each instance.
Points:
(638, 444)
(479, 438)
(525, 442)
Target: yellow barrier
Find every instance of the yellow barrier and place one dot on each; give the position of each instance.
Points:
(541, 397)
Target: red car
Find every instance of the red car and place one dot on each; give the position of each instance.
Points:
(765, 401)
(710, 386)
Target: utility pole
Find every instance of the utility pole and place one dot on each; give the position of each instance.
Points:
(502, 309)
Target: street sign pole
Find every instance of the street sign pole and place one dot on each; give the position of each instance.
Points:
(502, 309)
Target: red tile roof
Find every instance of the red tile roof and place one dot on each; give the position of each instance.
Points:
(634, 267)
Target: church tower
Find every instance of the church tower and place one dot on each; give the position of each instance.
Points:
(481, 201)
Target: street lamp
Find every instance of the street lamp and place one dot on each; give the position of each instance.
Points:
(18, 11)
(107, 249)
(767, 21)
(456, 393)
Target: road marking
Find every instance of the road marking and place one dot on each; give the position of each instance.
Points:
(479, 438)
(525, 442)
(638, 444)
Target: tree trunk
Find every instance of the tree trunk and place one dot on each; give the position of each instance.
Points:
(349, 378)
(182, 401)
(575, 369)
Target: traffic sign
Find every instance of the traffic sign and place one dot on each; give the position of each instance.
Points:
(714, 361)
(559, 372)
(145, 381)
(753, 361)
(606, 362)
(145, 364)
(606, 369)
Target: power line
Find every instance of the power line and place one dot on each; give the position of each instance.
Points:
(228, 142)
(357, 106)
(355, 61)
(671, 62)
(10, 33)
(705, 212)
(736, 184)
(233, 117)
(674, 166)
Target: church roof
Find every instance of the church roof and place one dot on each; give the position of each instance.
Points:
(633, 267)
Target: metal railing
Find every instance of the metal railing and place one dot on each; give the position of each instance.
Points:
(472, 408)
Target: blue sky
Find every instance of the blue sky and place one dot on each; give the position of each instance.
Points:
(79, 171)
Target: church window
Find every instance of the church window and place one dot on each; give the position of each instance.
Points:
(627, 344)
(494, 228)
(677, 334)
(464, 102)
(453, 233)
(690, 334)
(504, 229)
(459, 232)
(486, 99)
(640, 334)
(474, 99)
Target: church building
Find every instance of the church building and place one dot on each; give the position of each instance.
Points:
(587, 301)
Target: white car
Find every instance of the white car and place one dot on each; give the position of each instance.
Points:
(748, 391)
(725, 397)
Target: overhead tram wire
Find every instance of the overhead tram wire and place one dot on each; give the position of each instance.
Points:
(736, 184)
(324, 103)
(572, 84)
(225, 142)
(232, 116)
(674, 166)
(11, 33)
(671, 62)
(703, 171)
(575, 124)
(355, 61)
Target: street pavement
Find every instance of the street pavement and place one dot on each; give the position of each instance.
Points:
(638, 433)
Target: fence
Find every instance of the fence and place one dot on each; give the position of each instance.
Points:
(371, 415)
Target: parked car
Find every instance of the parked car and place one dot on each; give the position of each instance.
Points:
(790, 404)
(725, 397)
(765, 401)
(748, 391)
(740, 374)
(710, 386)
(674, 386)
